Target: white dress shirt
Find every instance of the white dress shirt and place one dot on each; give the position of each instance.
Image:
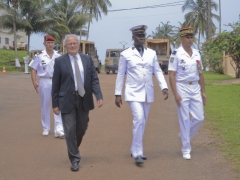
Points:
(79, 61)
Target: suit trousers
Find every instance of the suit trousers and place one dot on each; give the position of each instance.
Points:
(140, 111)
(190, 114)
(45, 88)
(75, 125)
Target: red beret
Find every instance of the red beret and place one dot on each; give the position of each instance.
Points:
(48, 38)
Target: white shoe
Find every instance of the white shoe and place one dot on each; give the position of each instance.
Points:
(45, 133)
(187, 156)
(59, 134)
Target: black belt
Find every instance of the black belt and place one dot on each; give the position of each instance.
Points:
(76, 93)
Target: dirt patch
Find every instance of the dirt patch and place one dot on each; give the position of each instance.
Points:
(231, 81)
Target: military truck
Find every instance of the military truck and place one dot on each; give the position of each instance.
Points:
(33, 53)
(112, 59)
(162, 48)
(88, 47)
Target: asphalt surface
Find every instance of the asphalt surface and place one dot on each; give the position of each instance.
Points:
(27, 155)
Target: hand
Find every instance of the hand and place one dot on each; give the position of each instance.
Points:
(204, 98)
(178, 100)
(118, 101)
(56, 110)
(100, 103)
(35, 85)
(165, 93)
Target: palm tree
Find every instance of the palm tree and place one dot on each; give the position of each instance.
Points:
(14, 20)
(7, 5)
(95, 7)
(197, 15)
(63, 17)
(164, 31)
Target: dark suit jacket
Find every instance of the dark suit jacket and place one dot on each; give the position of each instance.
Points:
(63, 84)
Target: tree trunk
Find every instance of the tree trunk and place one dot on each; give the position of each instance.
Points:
(62, 45)
(88, 29)
(15, 34)
(198, 38)
(80, 31)
(28, 52)
(237, 68)
(89, 25)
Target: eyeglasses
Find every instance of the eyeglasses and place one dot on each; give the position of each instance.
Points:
(72, 44)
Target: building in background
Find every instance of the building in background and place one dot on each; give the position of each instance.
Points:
(7, 39)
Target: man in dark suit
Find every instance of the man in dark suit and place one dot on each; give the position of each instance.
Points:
(74, 81)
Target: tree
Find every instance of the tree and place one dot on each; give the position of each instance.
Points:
(21, 15)
(7, 5)
(63, 17)
(95, 7)
(164, 31)
(228, 42)
(197, 16)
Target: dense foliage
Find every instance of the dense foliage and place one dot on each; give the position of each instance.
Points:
(225, 41)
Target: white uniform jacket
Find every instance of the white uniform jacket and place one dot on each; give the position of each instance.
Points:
(187, 68)
(43, 64)
(139, 71)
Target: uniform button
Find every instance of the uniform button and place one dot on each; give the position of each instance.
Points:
(143, 67)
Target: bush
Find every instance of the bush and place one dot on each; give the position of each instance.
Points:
(220, 70)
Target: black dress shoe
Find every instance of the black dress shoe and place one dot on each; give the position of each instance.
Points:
(74, 167)
(139, 160)
(143, 157)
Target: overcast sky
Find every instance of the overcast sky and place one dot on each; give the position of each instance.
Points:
(112, 29)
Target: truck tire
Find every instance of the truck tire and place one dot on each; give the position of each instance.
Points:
(107, 72)
(113, 71)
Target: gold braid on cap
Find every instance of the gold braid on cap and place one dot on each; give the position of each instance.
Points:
(186, 32)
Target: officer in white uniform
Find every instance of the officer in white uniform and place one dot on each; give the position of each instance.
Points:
(42, 66)
(139, 64)
(187, 83)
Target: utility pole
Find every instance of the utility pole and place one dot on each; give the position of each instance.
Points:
(209, 20)
(123, 43)
(220, 15)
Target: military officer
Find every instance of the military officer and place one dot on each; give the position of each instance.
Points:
(42, 66)
(138, 63)
(187, 83)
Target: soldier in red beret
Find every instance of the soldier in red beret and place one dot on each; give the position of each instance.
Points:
(42, 66)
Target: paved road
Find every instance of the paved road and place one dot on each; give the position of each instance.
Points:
(26, 155)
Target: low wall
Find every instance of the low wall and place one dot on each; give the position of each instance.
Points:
(228, 69)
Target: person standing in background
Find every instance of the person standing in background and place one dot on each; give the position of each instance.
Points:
(42, 67)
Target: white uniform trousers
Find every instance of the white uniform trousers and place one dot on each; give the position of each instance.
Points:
(45, 90)
(140, 111)
(190, 114)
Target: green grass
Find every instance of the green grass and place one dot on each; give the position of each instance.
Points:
(222, 113)
(7, 59)
(214, 78)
